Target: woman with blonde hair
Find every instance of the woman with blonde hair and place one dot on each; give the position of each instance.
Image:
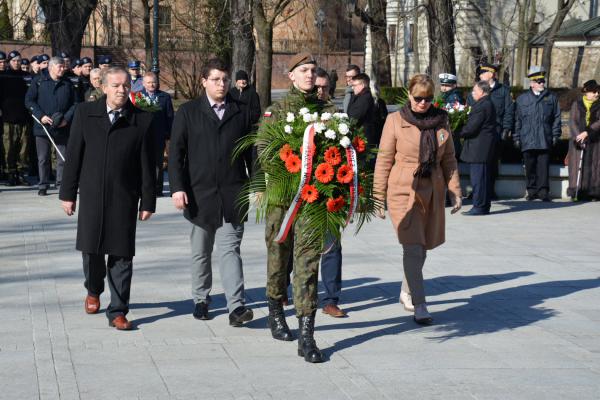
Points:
(415, 165)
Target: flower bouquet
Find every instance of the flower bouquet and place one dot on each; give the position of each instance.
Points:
(314, 165)
(457, 113)
(144, 102)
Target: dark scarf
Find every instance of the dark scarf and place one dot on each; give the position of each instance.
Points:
(431, 121)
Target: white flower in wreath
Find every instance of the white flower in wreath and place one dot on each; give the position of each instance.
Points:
(288, 129)
(345, 142)
(290, 117)
(304, 111)
(315, 116)
(343, 129)
(307, 117)
(451, 111)
(325, 116)
(320, 127)
(340, 116)
(330, 134)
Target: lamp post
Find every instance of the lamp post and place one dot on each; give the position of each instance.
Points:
(350, 5)
(320, 23)
(155, 64)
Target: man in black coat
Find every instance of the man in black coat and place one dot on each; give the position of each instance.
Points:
(51, 99)
(478, 150)
(110, 159)
(206, 183)
(245, 93)
(537, 129)
(362, 110)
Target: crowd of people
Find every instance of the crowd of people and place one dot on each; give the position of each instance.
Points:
(109, 155)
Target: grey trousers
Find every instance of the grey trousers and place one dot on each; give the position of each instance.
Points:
(44, 148)
(413, 259)
(228, 239)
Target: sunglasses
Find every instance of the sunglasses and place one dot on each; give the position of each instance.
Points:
(427, 99)
(540, 81)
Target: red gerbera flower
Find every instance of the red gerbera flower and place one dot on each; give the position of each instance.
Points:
(345, 174)
(361, 190)
(310, 193)
(285, 152)
(358, 144)
(293, 163)
(333, 156)
(336, 204)
(324, 173)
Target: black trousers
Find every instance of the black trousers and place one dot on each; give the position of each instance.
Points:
(120, 270)
(537, 171)
(481, 181)
(160, 171)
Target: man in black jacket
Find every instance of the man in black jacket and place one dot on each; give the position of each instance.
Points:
(51, 99)
(362, 110)
(110, 160)
(206, 183)
(245, 93)
(478, 150)
(537, 130)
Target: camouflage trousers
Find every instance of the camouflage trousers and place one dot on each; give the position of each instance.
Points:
(306, 264)
(15, 138)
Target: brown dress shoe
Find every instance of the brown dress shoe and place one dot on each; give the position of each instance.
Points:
(334, 311)
(92, 304)
(120, 323)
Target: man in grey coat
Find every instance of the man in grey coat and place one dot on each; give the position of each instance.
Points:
(537, 129)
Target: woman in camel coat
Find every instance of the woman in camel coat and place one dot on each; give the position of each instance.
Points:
(415, 165)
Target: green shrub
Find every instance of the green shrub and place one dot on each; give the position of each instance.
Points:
(393, 95)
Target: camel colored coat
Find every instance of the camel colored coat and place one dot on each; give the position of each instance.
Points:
(415, 205)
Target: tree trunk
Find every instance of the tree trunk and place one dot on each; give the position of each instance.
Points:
(561, 13)
(242, 56)
(147, 33)
(264, 52)
(440, 24)
(66, 21)
(375, 18)
(415, 38)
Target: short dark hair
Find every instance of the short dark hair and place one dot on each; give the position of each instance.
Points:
(214, 63)
(352, 67)
(484, 86)
(321, 73)
(362, 77)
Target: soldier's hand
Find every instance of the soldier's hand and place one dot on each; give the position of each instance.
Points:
(145, 215)
(180, 200)
(69, 207)
(505, 134)
(46, 120)
(517, 144)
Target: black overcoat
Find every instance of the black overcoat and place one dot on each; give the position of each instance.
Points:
(537, 120)
(201, 163)
(362, 109)
(113, 167)
(14, 88)
(479, 133)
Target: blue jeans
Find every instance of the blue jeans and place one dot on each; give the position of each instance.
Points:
(331, 272)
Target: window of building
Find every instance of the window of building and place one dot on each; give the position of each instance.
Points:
(410, 38)
(164, 17)
(392, 37)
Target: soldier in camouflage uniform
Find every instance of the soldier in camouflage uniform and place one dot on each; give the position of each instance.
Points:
(306, 255)
(95, 91)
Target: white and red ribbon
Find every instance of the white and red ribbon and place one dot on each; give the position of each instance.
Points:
(308, 144)
(352, 162)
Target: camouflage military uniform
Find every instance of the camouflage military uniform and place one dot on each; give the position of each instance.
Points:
(306, 255)
(93, 94)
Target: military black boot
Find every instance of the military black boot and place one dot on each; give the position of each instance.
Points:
(279, 328)
(307, 347)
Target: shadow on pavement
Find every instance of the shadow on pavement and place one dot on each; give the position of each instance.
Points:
(523, 205)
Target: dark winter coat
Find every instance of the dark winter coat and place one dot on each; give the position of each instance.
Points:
(12, 101)
(78, 85)
(163, 119)
(537, 120)
(113, 167)
(589, 181)
(453, 96)
(249, 97)
(46, 97)
(201, 164)
(479, 133)
(503, 105)
(362, 109)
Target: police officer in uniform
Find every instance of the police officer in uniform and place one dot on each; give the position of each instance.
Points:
(104, 62)
(43, 63)
(86, 67)
(450, 93)
(537, 130)
(302, 93)
(73, 76)
(137, 80)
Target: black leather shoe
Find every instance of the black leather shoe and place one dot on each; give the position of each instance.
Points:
(42, 192)
(530, 197)
(307, 347)
(276, 321)
(201, 311)
(474, 212)
(240, 315)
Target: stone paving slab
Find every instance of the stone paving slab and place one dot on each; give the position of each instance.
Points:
(515, 297)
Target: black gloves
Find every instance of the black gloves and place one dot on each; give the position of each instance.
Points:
(517, 144)
(554, 141)
(505, 134)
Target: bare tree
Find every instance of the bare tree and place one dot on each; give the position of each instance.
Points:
(66, 21)
(374, 16)
(440, 24)
(526, 19)
(563, 7)
(242, 57)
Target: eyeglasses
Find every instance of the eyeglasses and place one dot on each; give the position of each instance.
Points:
(420, 99)
(325, 87)
(540, 81)
(216, 81)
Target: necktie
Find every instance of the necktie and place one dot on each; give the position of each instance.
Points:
(115, 116)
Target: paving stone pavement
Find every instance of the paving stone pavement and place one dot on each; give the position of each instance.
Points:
(515, 297)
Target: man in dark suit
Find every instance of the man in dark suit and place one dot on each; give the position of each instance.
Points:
(206, 183)
(163, 121)
(245, 93)
(362, 109)
(481, 138)
(110, 159)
